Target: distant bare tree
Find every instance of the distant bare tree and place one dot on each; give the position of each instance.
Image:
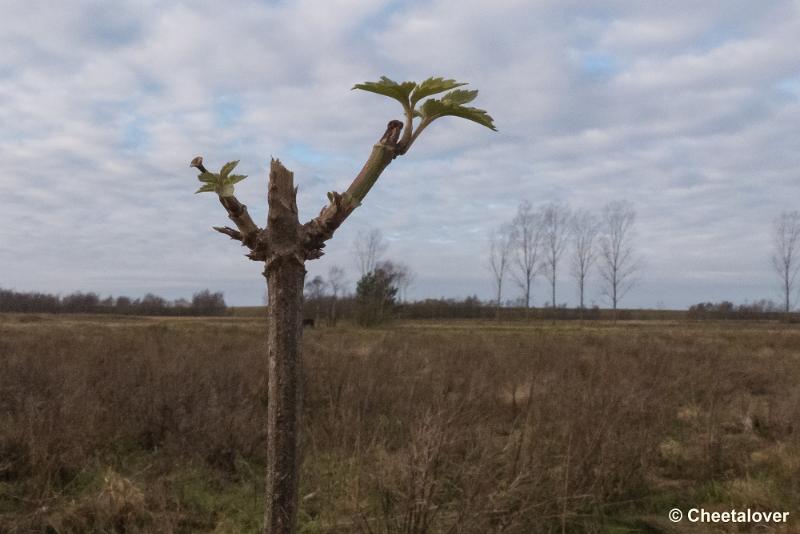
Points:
(315, 292)
(315, 288)
(555, 236)
(207, 303)
(618, 263)
(336, 281)
(527, 229)
(584, 253)
(501, 241)
(370, 247)
(786, 236)
(404, 278)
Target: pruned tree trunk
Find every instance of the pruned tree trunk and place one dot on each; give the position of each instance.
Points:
(285, 274)
(285, 245)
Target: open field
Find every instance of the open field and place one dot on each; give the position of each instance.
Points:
(124, 424)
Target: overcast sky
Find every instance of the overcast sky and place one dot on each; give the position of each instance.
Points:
(690, 110)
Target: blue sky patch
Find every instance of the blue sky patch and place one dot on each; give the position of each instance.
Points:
(599, 65)
(227, 110)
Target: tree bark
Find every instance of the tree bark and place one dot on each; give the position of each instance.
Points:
(614, 296)
(787, 291)
(499, 296)
(285, 274)
(527, 294)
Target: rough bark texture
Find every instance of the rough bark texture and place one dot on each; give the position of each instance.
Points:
(285, 274)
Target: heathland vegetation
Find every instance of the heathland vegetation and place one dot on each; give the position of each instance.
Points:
(131, 424)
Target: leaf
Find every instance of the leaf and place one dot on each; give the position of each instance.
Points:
(207, 177)
(207, 188)
(433, 86)
(235, 178)
(434, 108)
(460, 96)
(227, 168)
(386, 87)
(451, 103)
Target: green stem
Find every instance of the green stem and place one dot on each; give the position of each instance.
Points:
(405, 141)
(378, 160)
(422, 125)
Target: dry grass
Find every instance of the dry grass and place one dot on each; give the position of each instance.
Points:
(156, 425)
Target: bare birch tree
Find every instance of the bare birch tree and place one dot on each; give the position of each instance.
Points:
(404, 278)
(315, 288)
(370, 248)
(501, 241)
(584, 252)
(336, 282)
(285, 245)
(555, 237)
(618, 263)
(786, 240)
(527, 229)
(315, 292)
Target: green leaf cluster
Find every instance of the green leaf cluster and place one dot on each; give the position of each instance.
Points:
(222, 182)
(409, 94)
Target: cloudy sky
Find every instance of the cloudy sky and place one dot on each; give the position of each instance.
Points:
(688, 109)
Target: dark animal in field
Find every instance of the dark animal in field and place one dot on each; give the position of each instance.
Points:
(308, 323)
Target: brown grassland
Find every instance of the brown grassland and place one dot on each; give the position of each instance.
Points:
(118, 424)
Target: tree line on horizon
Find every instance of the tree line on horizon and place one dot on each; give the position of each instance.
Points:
(542, 240)
(203, 302)
(545, 241)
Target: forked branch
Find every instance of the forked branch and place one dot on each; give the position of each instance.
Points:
(248, 233)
